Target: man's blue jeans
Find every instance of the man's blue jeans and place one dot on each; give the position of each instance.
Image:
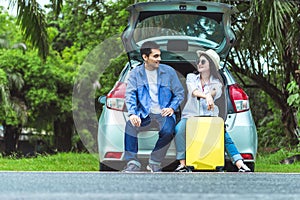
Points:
(166, 134)
(181, 145)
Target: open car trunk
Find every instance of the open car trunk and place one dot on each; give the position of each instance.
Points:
(179, 26)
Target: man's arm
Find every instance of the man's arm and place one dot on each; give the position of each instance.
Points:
(177, 90)
(131, 99)
(131, 94)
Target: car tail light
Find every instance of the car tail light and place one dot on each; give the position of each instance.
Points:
(247, 156)
(238, 98)
(116, 97)
(113, 155)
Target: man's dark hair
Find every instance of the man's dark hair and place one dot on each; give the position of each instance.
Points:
(147, 46)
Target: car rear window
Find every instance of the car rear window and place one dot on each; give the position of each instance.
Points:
(196, 25)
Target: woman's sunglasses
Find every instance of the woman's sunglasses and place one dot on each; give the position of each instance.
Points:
(202, 62)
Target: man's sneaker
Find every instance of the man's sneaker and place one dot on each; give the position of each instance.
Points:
(244, 168)
(182, 168)
(154, 168)
(131, 167)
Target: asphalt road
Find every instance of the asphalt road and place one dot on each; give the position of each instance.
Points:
(140, 186)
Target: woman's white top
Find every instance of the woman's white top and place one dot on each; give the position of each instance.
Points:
(198, 107)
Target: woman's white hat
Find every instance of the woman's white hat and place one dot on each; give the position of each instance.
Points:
(213, 56)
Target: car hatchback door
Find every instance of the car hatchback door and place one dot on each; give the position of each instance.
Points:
(180, 28)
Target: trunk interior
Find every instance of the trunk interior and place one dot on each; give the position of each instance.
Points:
(183, 68)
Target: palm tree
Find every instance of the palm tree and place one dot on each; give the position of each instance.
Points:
(13, 108)
(267, 52)
(32, 20)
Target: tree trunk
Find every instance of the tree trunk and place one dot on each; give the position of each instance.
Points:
(63, 131)
(11, 137)
(289, 121)
(288, 117)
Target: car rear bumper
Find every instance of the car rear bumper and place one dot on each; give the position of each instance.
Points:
(243, 132)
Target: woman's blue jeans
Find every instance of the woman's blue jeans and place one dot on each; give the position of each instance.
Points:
(181, 145)
(165, 136)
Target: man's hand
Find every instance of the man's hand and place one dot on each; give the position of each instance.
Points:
(135, 120)
(167, 112)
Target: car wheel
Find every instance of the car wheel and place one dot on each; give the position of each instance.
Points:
(251, 166)
(229, 167)
(103, 167)
(171, 167)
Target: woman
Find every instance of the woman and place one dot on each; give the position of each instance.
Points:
(204, 86)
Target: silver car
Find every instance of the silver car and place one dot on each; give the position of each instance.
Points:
(180, 28)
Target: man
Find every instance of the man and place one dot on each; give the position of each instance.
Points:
(153, 93)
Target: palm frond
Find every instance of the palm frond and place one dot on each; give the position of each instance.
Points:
(56, 6)
(16, 82)
(32, 19)
(20, 108)
(4, 97)
(273, 17)
(4, 92)
(3, 43)
(21, 46)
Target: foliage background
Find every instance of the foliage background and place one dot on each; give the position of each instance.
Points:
(36, 82)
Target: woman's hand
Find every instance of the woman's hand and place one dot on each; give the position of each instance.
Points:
(209, 101)
(208, 96)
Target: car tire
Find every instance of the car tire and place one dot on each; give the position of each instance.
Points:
(229, 167)
(251, 166)
(103, 167)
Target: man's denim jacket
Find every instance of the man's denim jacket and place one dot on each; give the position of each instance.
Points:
(170, 90)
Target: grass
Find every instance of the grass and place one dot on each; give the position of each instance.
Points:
(56, 162)
(89, 162)
(270, 162)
